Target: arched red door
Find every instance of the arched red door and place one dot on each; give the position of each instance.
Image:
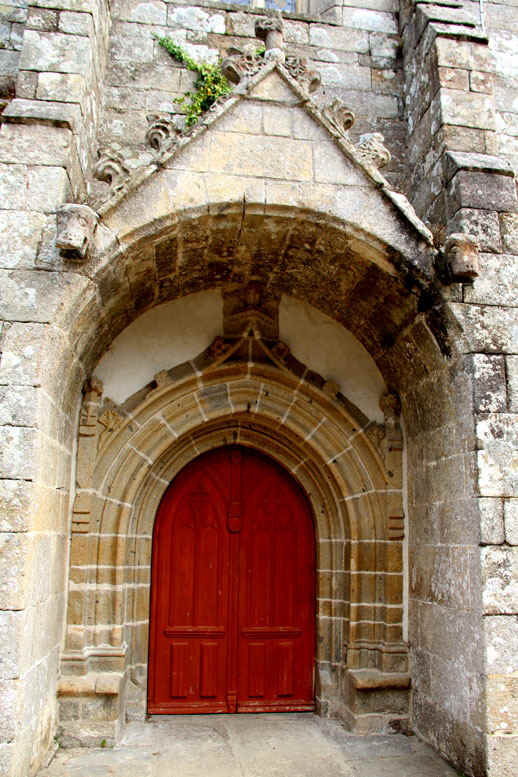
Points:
(232, 626)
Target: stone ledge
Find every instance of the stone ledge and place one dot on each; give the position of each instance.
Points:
(20, 111)
(372, 680)
(473, 162)
(107, 684)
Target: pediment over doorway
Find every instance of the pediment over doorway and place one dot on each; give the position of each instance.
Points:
(269, 146)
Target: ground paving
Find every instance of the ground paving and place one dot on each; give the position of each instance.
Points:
(281, 745)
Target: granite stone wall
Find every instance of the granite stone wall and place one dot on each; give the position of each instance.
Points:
(78, 80)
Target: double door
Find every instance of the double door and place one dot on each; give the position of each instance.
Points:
(232, 595)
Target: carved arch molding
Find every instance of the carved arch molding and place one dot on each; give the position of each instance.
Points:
(245, 389)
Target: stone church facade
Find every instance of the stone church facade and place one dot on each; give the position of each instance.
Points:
(323, 270)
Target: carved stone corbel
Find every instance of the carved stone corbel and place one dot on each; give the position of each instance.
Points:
(111, 168)
(162, 132)
(390, 405)
(299, 69)
(340, 116)
(371, 149)
(75, 229)
(461, 254)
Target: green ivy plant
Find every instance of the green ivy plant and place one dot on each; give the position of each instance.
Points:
(208, 87)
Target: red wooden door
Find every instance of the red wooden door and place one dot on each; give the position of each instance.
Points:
(232, 598)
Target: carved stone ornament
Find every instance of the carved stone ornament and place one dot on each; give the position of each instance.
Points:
(270, 30)
(390, 405)
(110, 419)
(281, 351)
(111, 168)
(340, 116)
(94, 386)
(299, 69)
(218, 347)
(241, 62)
(462, 257)
(75, 229)
(371, 149)
(162, 132)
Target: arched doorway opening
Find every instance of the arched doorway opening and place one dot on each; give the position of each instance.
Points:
(232, 626)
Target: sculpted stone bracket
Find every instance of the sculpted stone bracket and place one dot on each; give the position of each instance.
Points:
(461, 255)
(75, 229)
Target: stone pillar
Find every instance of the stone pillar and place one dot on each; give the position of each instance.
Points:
(46, 137)
(460, 182)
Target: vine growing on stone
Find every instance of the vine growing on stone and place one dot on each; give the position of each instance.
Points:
(208, 87)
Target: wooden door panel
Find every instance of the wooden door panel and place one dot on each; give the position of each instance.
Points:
(190, 591)
(232, 600)
(276, 590)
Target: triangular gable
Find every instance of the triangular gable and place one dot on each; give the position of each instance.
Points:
(272, 135)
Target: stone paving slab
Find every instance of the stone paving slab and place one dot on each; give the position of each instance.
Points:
(281, 745)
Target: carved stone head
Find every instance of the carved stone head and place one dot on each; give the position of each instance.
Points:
(75, 229)
(462, 257)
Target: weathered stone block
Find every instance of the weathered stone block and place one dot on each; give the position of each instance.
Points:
(375, 21)
(473, 110)
(20, 234)
(502, 755)
(496, 283)
(13, 560)
(53, 51)
(15, 505)
(43, 19)
(345, 76)
(488, 328)
(76, 23)
(509, 227)
(511, 521)
(482, 226)
(18, 408)
(491, 521)
(250, 155)
(512, 382)
(339, 38)
(490, 384)
(13, 185)
(64, 87)
(192, 18)
(481, 82)
(17, 452)
(35, 144)
(499, 580)
(488, 191)
(58, 114)
(501, 633)
(47, 188)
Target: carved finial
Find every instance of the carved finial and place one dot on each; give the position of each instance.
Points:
(340, 116)
(75, 229)
(162, 132)
(371, 149)
(270, 30)
(299, 69)
(461, 254)
(111, 168)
